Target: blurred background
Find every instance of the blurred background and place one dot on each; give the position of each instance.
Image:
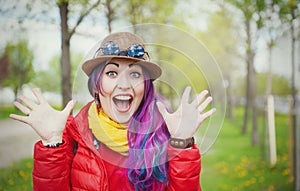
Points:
(248, 57)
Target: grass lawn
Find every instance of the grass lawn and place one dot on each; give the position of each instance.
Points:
(231, 164)
(17, 177)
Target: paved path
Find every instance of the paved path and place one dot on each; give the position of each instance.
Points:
(16, 141)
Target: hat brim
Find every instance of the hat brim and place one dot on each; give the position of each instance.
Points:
(153, 69)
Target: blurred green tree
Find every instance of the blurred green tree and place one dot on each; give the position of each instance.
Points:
(70, 15)
(17, 59)
(252, 22)
(111, 8)
(66, 33)
(221, 39)
(48, 80)
(290, 14)
(280, 85)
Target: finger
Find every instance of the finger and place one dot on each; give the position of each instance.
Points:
(69, 107)
(39, 95)
(207, 114)
(186, 95)
(203, 106)
(199, 98)
(22, 108)
(161, 108)
(23, 119)
(27, 102)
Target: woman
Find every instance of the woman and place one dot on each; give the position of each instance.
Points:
(125, 139)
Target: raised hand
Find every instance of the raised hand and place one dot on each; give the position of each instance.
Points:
(47, 122)
(184, 122)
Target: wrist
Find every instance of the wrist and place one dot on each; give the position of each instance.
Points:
(57, 139)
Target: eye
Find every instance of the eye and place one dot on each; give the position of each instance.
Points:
(135, 74)
(111, 74)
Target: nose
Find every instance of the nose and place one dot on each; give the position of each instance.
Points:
(123, 81)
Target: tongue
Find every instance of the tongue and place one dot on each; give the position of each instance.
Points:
(122, 105)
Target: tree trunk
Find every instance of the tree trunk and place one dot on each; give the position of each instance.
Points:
(270, 128)
(255, 138)
(269, 75)
(252, 97)
(296, 163)
(250, 89)
(65, 56)
(109, 15)
(248, 61)
(230, 98)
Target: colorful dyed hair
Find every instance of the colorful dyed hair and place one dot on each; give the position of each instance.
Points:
(147, 138)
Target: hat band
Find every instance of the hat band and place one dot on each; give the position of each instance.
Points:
(112, 48)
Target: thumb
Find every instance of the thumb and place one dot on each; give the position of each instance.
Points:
(71, 104)
(161, 108)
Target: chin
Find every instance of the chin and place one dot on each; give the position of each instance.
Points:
(122, 118)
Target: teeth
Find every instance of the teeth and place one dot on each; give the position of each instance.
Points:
(123, 98)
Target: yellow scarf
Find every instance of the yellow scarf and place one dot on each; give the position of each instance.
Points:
(107, 131)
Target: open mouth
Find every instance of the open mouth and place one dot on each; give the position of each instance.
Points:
(123, 102)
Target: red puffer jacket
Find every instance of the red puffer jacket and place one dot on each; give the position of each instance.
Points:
(59, 169)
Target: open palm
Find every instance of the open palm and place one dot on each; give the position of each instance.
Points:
(47, 122)
(184, 122)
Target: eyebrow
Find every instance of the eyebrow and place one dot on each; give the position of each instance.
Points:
(117, 65)
(133, 64)
(112, 64)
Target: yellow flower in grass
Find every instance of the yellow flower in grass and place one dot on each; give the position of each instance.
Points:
(261, 179)
(291, 179)
(23, 175)
(224, 187)
(245, 160)
(271, 187)
(224, 170)
(247, 183)
(253, 180)
(221, 166)
(286, 172)
(242, 173)
(10, 181)
(250, 182)
(29, 165)
(237, 168)
(285, 157)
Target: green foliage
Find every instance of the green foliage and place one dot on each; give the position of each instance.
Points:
(221, 40)
(50, 79)
(143, 11)
(286, 9)
(280, 85)
(20, 68)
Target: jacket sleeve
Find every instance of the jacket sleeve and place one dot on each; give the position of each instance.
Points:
(51, 170)
(184, 169)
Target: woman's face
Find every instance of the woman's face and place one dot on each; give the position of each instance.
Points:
(122, 88)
